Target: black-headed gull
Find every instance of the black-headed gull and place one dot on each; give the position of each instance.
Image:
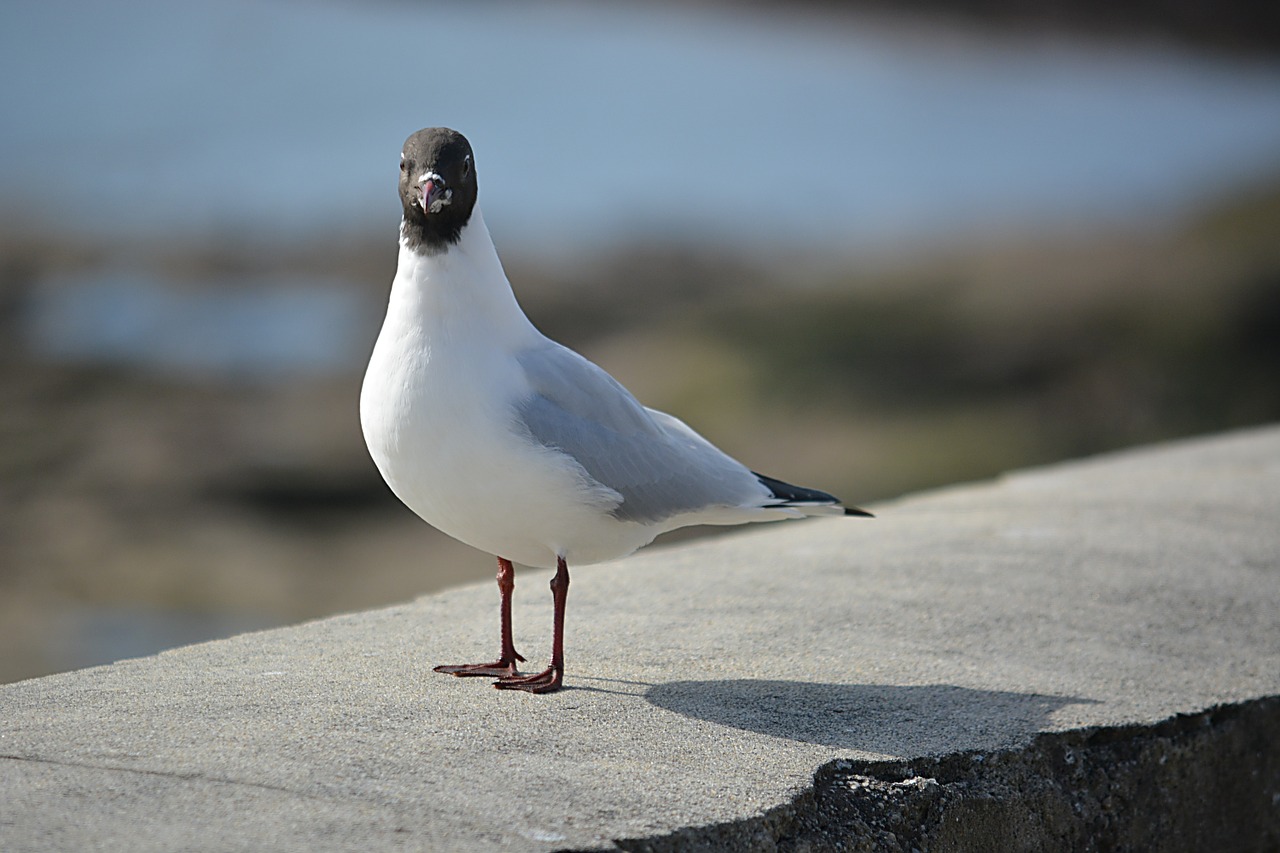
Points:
(512, 443)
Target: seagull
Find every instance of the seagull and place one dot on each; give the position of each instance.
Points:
(516, 445)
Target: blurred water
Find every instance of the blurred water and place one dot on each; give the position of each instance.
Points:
(596, 123)
(242, 329)
(102, 634)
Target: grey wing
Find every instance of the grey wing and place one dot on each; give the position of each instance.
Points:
(659, 466)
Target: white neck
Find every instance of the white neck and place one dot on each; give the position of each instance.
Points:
(461, 291)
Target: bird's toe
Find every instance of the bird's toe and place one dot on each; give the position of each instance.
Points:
(547, 681)
(499, 669)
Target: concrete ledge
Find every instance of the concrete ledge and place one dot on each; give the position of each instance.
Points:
(1196, 782)
(999, 666)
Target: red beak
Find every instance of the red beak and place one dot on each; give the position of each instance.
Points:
(431, 193)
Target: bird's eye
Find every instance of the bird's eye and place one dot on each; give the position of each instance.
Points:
(403, 165)
(466, 166)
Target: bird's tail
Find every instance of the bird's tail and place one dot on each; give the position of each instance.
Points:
(807, 501)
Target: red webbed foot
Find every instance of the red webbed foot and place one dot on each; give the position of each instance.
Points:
(547, 681)
(505, 668)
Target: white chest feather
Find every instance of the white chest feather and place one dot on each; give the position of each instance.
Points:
(437, 410)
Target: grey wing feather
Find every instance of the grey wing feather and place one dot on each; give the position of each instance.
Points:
(659, 466)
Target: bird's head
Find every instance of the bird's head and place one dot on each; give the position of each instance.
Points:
(437, 188)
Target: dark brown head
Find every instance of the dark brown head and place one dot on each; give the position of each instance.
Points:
(437, 188)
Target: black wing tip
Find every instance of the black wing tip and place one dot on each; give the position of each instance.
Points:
(788, 493)
(801, 495)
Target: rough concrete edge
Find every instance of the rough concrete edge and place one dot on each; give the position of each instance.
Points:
(1202, 781)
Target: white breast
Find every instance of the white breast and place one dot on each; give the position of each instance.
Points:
(436, 409)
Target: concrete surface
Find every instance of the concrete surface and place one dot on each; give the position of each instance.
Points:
(716, 690)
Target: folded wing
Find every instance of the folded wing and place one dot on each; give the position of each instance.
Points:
(659, 467)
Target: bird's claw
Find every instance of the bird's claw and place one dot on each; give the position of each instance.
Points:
(547, 681)
(499, 668)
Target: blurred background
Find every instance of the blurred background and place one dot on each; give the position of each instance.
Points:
(868, 247)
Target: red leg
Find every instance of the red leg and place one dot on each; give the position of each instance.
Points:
(549, 679)
(506, 664)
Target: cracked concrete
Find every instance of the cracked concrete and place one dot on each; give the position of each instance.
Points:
(1196, 782)
(818, 685)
